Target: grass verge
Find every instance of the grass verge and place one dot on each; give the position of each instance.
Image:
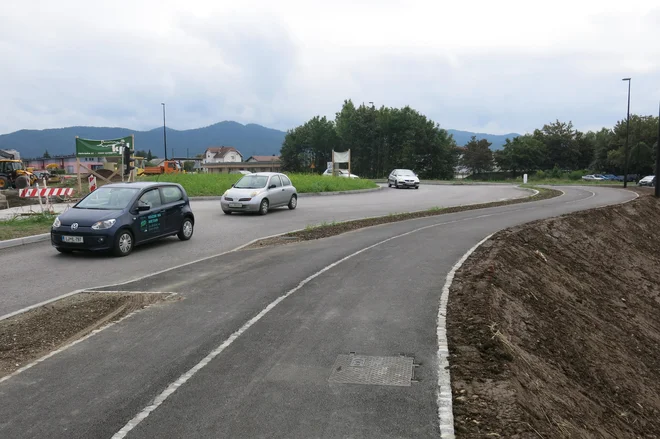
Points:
(326, 230)
(197, 185)
(20, 227)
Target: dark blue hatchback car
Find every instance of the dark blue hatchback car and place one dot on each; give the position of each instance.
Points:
(117, 217)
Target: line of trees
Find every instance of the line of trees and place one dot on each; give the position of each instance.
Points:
(379, 139)
(382, 139)
(560, 147)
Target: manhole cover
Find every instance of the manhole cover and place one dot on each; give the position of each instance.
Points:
(382, 371)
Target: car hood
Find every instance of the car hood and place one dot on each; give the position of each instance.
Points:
(242, 193)
(407, 177)
(87, 217)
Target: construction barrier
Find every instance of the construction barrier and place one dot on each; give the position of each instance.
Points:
(45, 192)
(91, 179)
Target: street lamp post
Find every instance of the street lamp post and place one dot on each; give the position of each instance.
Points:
(164, 132)
(625, 159)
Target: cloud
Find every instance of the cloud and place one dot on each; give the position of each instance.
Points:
(478, 65)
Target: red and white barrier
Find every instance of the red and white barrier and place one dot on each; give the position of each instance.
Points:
(45, 192)
(92, 182)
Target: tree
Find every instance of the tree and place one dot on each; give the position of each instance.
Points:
(477, 156)
(379, 140)
(150, 156)
(522, 154)
(309, 144)
(141, 153)
(561, 145)
(188, 165)
(46, 155)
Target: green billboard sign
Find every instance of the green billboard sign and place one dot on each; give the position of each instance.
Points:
(102, 148)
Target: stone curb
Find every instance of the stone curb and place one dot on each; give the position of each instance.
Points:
(25, 240)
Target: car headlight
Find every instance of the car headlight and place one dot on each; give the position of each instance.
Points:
(102, 225)
(57, 222)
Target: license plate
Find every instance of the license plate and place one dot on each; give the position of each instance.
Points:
(235, 205)
(74, 239)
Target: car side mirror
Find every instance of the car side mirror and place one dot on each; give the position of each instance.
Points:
(272, 186)
(143, 207)
(232, 185)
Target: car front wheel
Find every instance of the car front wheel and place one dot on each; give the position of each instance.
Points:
(123, 243)
(186, 231)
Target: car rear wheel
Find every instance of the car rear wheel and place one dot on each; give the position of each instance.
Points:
(293, 202)
(123, 243)
(186, 231)
(263, 207)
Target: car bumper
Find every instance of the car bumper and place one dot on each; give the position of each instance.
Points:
(408, 183)
(241, 206)
(95, 241)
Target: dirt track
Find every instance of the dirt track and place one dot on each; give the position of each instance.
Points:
(554, 329)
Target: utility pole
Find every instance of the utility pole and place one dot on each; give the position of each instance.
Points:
(164, 131)
(625, 159)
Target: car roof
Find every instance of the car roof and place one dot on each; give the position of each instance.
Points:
(141, 184)
(266, 174)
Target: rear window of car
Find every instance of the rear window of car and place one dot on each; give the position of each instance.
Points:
(285, 180)
(171, 194)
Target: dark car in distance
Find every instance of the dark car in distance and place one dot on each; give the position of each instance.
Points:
(117, 217)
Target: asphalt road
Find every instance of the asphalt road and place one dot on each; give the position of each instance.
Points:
(225, 362)
(36, 272)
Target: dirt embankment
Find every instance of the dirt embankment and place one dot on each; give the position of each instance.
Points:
(554, 329)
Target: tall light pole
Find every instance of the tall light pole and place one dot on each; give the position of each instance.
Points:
(625, 159)
(164, 132)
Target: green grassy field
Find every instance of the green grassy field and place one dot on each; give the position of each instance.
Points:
(216, 184)
(25, 226)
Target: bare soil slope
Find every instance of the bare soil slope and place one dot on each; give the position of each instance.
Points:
(554, 329)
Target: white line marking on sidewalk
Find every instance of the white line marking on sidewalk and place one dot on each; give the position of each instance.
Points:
(445, 409)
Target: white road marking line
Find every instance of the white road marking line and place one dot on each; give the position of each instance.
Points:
(444, 398)
(142, 415)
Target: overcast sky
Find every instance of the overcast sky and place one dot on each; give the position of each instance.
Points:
(487, 66)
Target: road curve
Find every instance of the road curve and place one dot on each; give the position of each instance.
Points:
(249, 350)
(36, 272)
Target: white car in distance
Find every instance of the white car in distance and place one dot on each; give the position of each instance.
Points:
(403, 178)
(340, 173)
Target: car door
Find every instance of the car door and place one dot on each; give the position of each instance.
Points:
(288, 188)
(276, 194)
(151, 222)
(173, 204)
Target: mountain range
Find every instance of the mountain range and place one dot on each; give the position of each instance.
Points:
(250, 139)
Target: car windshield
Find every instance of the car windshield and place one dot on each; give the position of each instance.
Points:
(251, 182)
(104, 198)
(406, 173)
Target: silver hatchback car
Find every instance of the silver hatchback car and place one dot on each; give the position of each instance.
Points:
(260, 192)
